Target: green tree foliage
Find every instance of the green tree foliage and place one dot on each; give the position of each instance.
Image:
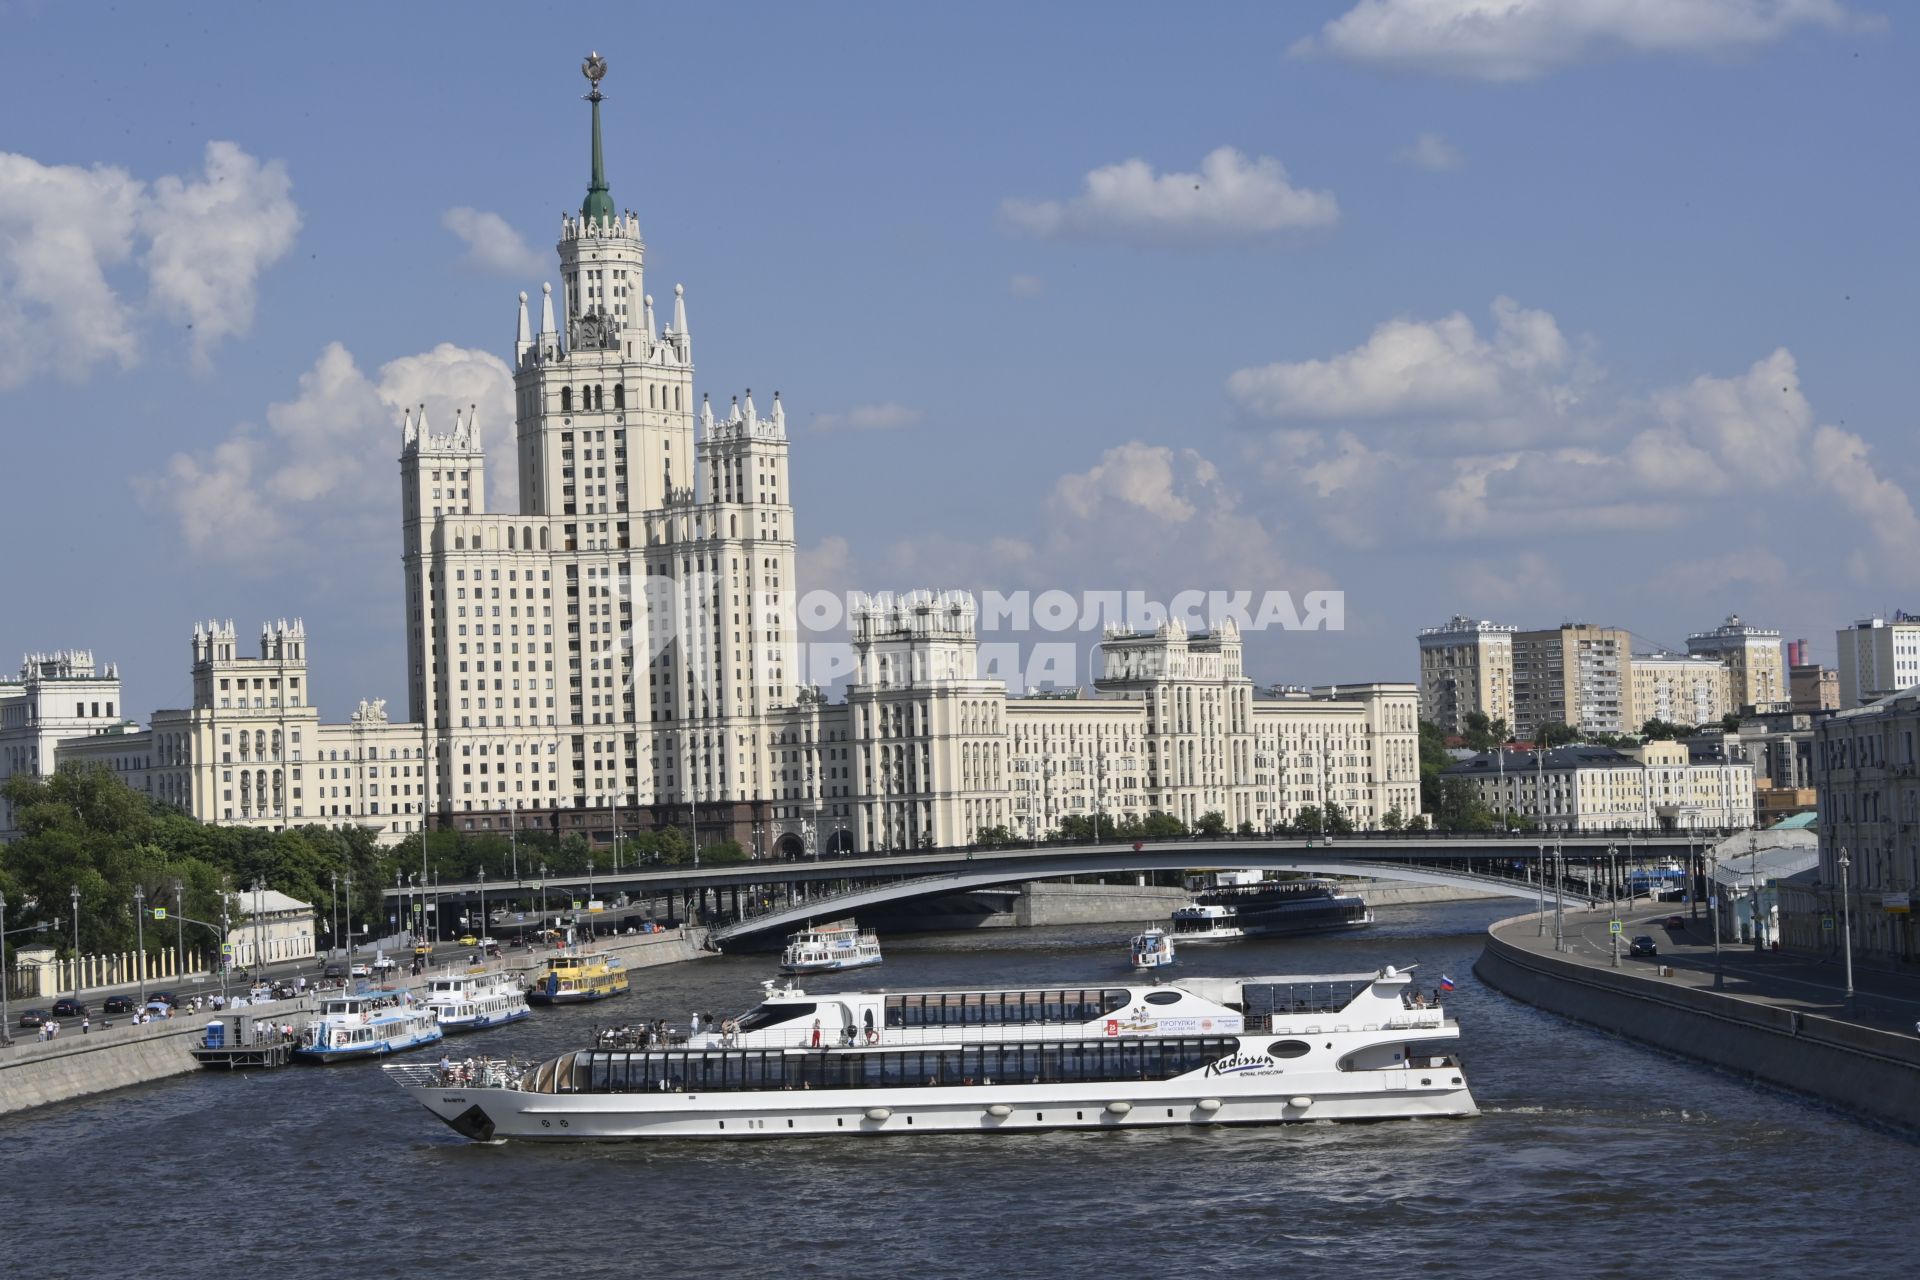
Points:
(1433, 761)
(1665, 730)
(1555, 733)
(1310, 821)
(1483, 734)
(1211, 823)
(1461, 809)
(994, 837)
(1339, 821)
(1418, 822)
(1393, 819)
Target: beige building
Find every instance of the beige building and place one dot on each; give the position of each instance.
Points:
(1756, 666)
(1576, 674)
(1657, 787)
(60, 697)
(1813, 687)
(251, 750)
(268, 927)
(1466, 666)
(1678, 688)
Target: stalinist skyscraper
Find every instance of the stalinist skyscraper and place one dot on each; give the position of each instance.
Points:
(623, 639)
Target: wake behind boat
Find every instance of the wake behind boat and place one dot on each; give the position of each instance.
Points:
(830, 949)
(1203, 1051)
(1244, 904)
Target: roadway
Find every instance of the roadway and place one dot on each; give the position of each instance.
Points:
(1811, 984)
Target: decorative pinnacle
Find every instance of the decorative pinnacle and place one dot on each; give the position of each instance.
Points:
(594, 68)
(598, 206)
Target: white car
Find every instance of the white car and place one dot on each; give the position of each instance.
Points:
(384, 964)
(359, 970)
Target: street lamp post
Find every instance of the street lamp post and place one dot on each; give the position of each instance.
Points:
(179, 928)
(1846, 924)
(1540, 883)
(5, 978)
(483, 902)
(73, 894)
(140, 940)
(590, 879)
(224, 944)
(1613, 903)
(1713, 911)
(1559, 895)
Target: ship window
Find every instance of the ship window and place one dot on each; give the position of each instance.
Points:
(1163, 997)
(772, 1015)
(1289, 1049)
(1115, 1001)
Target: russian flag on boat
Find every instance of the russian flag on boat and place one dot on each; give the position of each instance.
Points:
(1446, 983)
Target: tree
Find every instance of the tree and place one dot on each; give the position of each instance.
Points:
(1244, 829)
(1730, 722)
(1211, 823)
(1434, 760)
(1160, 826)
(1418, 822)
(1339, 821)
(1461, 808)
(1555, 733)
(1484, 734)
(1310, 821)
(1657, 729)
(1393, 820)
(997, 837)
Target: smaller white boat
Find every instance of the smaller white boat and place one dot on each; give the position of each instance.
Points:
(1151, 950)
(474, 1001)
(367, 1024)
(830, 949)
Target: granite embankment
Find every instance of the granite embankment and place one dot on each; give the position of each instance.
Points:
(1773, 1032)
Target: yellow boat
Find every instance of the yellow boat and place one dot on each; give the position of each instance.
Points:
(576, 979)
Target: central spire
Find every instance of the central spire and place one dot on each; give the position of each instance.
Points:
(598, 206)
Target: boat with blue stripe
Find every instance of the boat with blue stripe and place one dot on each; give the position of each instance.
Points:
(370, 1023)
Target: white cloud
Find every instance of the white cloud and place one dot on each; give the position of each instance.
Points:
(887, 416)
(1231, 197)
(1415, 367)
(203, 242)
(1431, 152)
(1508, 40)
(61, 229)
(326, 459)
(492, 245)
(210, 238)
(1026, 286)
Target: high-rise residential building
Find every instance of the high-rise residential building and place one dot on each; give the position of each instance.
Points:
(1678, 688)
(1660, 786)
(1576, 674)
(1466, 666)
(1878, 657)
(1756, 668)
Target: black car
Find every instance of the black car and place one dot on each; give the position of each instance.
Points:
(34, 1017)
(1643, 946)
(335, 971)
(164, 997)
(69, 1009)
(117, 1004)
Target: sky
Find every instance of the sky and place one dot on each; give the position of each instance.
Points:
(1591, 310)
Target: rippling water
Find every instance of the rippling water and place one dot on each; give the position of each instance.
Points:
(1593, 1157)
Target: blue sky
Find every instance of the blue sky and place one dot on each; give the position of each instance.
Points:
(1591, 310)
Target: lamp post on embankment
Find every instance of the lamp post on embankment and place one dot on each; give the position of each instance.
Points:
(1846, 925)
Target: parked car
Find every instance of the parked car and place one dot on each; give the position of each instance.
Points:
(117, 1004)
(1643, 946)
(1676, 922)
(34, 1017)
(69, 1009)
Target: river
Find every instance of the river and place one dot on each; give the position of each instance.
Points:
(1593, 1156)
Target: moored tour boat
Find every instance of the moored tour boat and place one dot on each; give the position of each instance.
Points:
(1202, 1051)
(367, 1024)
(1244, 904)
(475, 1001)
(1151, 950)
(577, 978)
(830, 949)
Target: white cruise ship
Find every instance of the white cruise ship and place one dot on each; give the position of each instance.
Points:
(830, 949)
(1245, 904)
(475, 1001)
(1202, 1051)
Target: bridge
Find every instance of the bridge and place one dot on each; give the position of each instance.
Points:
(776, 897)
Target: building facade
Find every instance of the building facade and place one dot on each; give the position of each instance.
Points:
(1466, 666)
(1867, 770)
(1659, 787)
(1677, 688)
(1812, 688)
(59, 697)
(1756, 667)
(1576, 674)
(1878, 657)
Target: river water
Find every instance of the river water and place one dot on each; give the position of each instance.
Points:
(1593, 1156)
